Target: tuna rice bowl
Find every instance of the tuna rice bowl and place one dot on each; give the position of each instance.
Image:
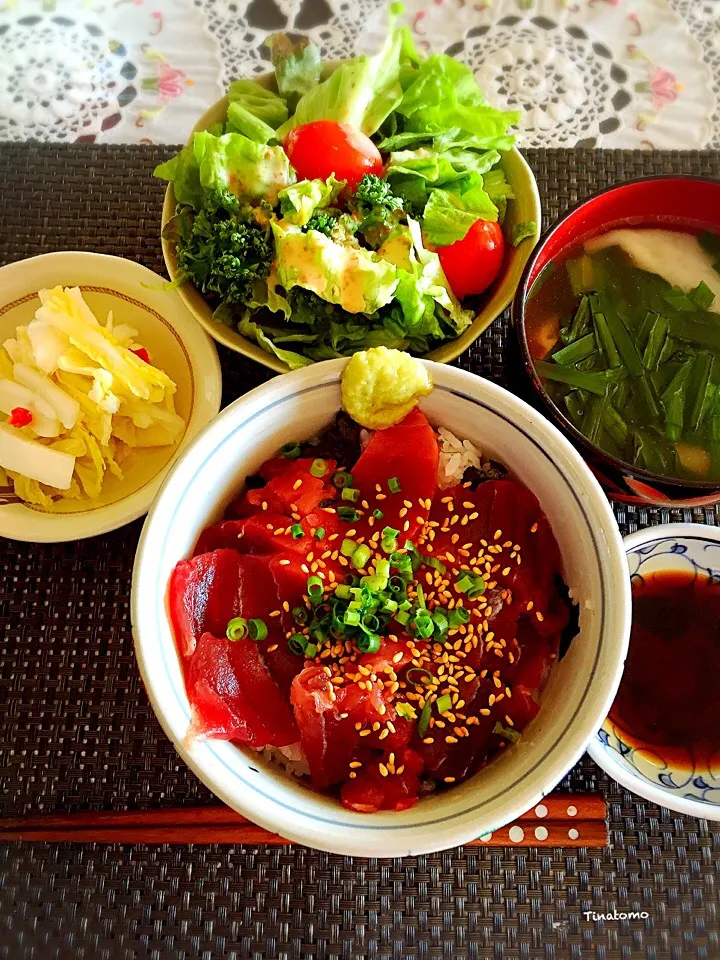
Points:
(381, 605)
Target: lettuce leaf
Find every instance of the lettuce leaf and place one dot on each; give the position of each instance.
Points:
(448, 216)
(260, 102)
(299, 201)
(254, 331)
(355, 278)
(241, 120)
(249, 170)
(362, 92)
(297, 66)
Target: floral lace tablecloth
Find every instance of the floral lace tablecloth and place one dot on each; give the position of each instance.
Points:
(613, 73)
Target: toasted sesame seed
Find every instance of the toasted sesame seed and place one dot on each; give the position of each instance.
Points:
(352, 774)
(272, 648)
(355, 764)
(383, 769)
(284, 563)
(497, 534)
(533, 528)
(449, 779)
(539, 616)
(366, 733)
(429, 740)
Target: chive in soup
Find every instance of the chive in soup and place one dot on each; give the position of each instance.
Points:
(624, 330)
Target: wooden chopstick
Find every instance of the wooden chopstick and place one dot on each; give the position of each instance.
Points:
(569, 820)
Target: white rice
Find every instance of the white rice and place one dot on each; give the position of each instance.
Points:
(291, 758)
(455, 457)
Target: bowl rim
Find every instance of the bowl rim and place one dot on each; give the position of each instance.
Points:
(604, 758)
(556, 760)
(445, 352)
(202, 359)
(517, 316)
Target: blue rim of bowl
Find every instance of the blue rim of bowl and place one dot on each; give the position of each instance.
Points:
(517, 315)
(181, 696)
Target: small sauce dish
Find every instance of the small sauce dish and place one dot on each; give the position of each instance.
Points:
(662, 736)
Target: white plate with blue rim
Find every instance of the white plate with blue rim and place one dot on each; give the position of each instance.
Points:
(694, 787)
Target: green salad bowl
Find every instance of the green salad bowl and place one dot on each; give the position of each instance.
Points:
(525, 207)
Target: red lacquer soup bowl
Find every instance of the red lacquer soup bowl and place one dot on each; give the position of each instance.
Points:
(690, 204)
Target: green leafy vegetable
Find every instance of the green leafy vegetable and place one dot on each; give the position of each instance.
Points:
(241, 120)
(522, 231)
(448, 217)
(225, 253)
(299, 201)
(362, 92)
(259, 101)
(297, 65)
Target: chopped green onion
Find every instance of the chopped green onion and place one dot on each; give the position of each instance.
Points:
(423, 627)
(424, 721)
(319, 533)
(350, 493)
(443, 703)
(291, 451)
(348, 514)
(405, 604)
(512, 735)
(464, 584)
(396, 585)
(297, 643)
(297, 531)
(406, 710)
(257, 629)
(351, 617)
(402, 616)
(369, 643)
(697, 388)
(371, 622)
(300, 615)
(378, 514)
(315, 589)
(420, 595)
(361, 556)
(434, 563)
(374, 583)
(382, 568)
(348, 547)
(318, 468)
(477, 589)
(388, 546)
(341, 478)
(342, 590)
(389, 606)
(440, 620)
(237, 629)
(310, 651)
(458, 616)
(393, 485)
(422, 672)
(655, 343)
(390, 533)
(576, 351)
(593, 382)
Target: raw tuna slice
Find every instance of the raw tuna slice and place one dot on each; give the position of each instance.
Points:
(261, 533)
(407, 452)
(293, 491)
(371, 790)
(220, 708)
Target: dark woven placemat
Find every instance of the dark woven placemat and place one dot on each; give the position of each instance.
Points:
(76, 730)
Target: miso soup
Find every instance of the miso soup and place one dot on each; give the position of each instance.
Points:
(624, 330)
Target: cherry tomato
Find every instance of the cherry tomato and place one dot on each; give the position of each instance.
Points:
(323, 147)
(471, 264)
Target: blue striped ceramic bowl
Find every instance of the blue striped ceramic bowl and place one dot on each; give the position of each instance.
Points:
(581, 687)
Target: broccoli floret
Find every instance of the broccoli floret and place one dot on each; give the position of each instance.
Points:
(375, 192)
(322, 221)
(225, 251)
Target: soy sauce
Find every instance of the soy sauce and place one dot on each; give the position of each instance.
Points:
(669, 697)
